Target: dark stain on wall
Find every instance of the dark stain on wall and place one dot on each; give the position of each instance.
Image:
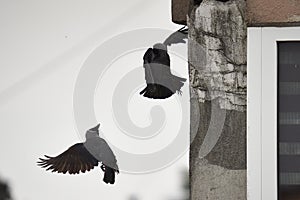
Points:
(230, 150)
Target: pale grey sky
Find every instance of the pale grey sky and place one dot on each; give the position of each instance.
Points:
(44, 45)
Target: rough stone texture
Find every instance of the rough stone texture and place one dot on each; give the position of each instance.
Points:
(180, 9)
(217, 57)
(217, 53)
(273, 12)
(217, 183)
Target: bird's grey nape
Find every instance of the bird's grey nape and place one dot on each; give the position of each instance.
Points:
(160, 46)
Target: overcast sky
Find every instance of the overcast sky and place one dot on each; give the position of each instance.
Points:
(44, 47)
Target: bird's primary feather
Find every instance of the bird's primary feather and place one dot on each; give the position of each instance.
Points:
(177, 37)
(74, 160)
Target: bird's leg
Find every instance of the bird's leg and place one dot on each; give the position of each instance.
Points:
(183, 29)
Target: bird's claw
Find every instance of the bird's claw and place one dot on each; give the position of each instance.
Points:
(183, 29)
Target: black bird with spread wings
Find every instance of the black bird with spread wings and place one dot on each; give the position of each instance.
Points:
(82, 157)
(161, 83)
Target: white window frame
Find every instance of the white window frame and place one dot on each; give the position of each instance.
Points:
(262, 109)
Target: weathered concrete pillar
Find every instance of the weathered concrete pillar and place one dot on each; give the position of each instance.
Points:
(217, 57)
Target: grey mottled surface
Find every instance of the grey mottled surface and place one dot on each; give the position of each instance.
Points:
(217, 56)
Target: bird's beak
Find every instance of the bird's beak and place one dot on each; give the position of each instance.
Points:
(95, 128)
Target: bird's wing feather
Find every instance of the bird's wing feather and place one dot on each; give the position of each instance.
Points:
(73, 160)
(177, 37)
(148, 57)
(159, 68)
(156, 66)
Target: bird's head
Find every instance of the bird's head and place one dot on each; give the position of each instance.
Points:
(160, 46)
(93, 132)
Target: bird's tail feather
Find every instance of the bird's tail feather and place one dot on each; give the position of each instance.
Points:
(156, 91)
(109, 175)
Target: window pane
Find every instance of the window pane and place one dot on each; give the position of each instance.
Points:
(289, 120)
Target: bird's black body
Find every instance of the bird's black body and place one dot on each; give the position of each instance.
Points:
(82, 157)
(161, 83)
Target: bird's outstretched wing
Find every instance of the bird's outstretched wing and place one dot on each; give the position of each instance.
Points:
(74, 160)
(177, 37)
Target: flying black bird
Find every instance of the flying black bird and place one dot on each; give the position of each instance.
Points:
(161, 83)
(84, 157)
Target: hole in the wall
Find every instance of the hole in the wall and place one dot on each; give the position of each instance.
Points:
(197, 2)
